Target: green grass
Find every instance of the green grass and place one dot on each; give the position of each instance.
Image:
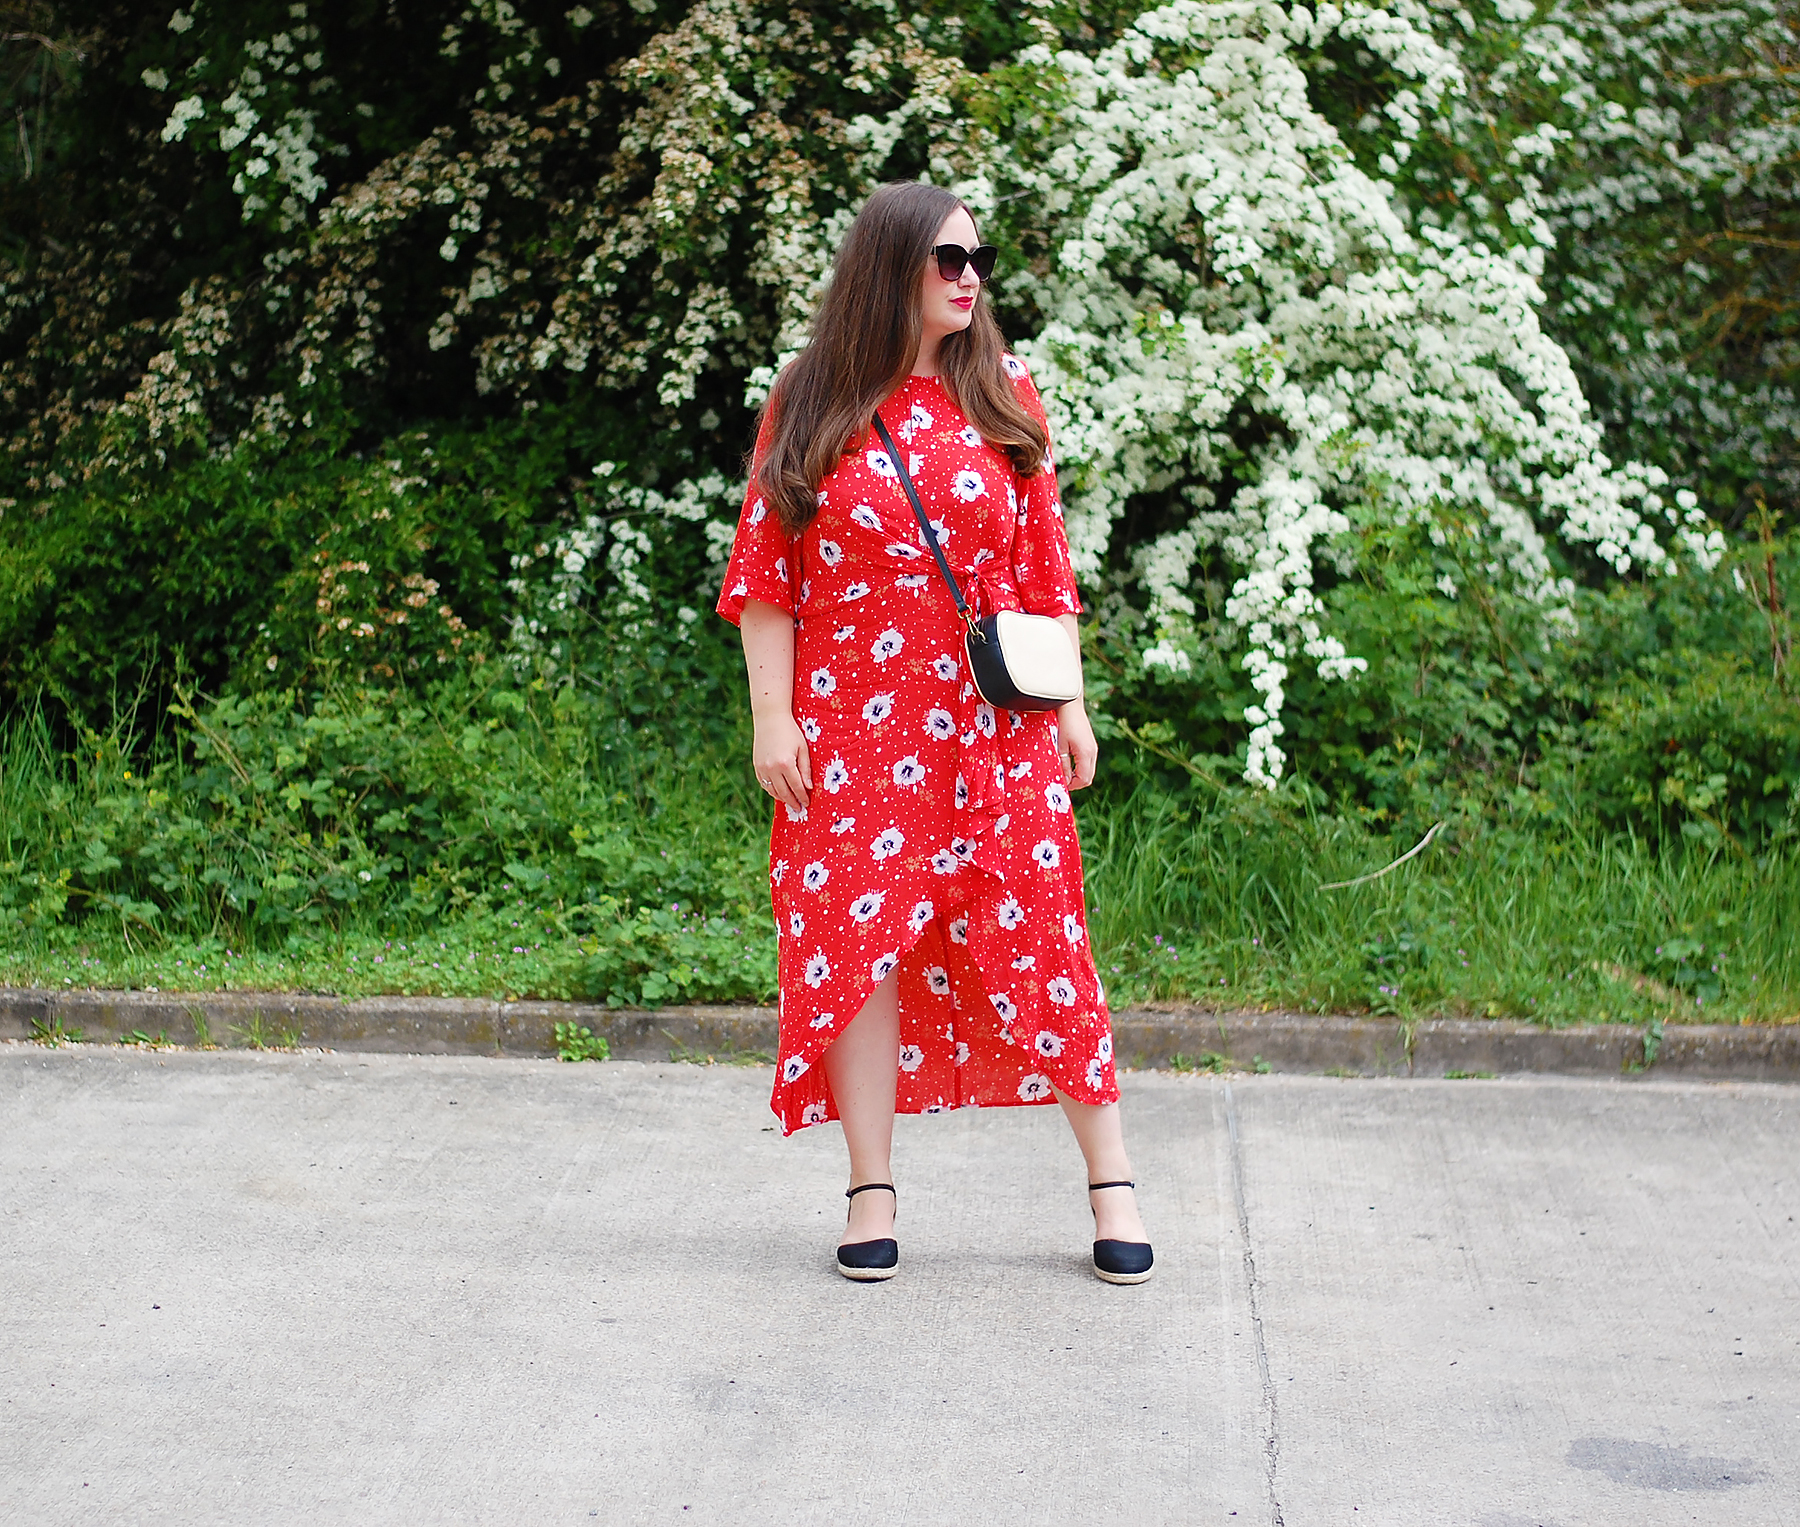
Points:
(528, 857)
(1210, 910)
(526, 955)
(1223, 905)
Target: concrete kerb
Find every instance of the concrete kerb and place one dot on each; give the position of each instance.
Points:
(1290, 1042)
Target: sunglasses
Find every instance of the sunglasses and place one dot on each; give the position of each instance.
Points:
(951, 258)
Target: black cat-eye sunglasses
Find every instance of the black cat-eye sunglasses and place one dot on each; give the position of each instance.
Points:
(951, 258)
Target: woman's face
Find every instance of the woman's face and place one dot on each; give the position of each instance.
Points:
(946, 306)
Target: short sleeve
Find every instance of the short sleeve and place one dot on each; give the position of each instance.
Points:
(1042, 570)
(763, 558)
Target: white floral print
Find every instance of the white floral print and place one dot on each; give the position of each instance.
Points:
(965, 883)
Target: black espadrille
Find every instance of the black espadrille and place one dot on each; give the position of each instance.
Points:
(1121, 1261)
(870, 1261)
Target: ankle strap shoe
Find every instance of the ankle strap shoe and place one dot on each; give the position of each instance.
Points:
(1121, 1261)
(870, 1261)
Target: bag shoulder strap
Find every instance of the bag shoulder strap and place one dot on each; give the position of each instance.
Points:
(931, 540)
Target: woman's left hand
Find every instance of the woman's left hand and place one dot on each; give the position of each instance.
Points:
(1075, 742)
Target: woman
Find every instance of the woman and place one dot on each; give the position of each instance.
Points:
(925, 870)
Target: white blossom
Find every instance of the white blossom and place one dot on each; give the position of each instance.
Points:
(1413, 383)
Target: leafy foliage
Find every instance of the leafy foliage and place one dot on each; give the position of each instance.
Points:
(384, 373)
(574, 1041)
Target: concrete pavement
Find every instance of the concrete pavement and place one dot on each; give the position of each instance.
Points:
(270, 1288)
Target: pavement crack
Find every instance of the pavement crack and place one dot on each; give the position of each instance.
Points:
(1271, 1436)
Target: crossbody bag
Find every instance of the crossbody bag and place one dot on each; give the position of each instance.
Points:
(1018, 661)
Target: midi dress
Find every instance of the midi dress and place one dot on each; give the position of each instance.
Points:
(939, 840)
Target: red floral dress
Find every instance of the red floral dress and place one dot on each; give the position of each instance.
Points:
(939, 841)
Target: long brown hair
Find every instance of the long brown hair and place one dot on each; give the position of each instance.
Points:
(865, 335)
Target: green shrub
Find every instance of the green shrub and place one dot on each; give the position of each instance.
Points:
(253, 815)
(1703, 744)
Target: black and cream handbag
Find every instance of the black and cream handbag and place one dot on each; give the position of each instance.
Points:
(1018, 661)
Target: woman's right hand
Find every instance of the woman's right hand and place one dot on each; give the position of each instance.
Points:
(783, 766)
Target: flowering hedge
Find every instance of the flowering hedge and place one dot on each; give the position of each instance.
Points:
(1222, 269)
(338, 346)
